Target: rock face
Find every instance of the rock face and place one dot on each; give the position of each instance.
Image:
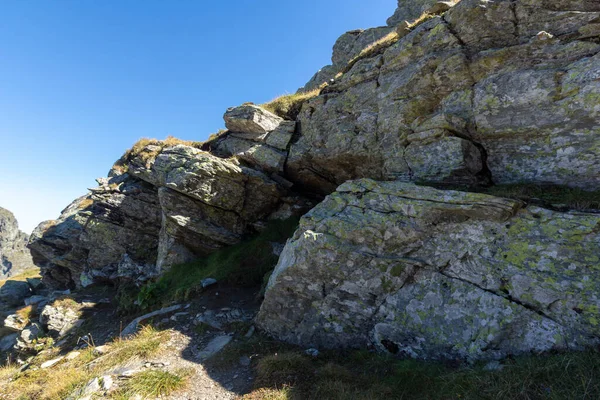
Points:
(14, 255)
(452, 102)
(426, 273)
(174, 204)
(409, 10)
(98, 235)
(348, 46)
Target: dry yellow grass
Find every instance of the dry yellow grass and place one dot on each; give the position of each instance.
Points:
(68, 303)
(140, 149)
(25, 313)
(288, 106)
(61, 380)
(22, 277)
(85, 203)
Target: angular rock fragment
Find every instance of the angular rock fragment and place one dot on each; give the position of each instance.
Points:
(251, 119)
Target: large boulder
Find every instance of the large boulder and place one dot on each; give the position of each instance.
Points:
(431, 274)
(477, 95)
(14, 292)
(14, 255)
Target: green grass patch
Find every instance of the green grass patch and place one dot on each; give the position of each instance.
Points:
(364, 375)
(244, 264)
(152, 384)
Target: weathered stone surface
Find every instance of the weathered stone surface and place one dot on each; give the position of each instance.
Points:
(476, 73)
(350, 44)
(436, 274)
(251, 119)
(7, 342)
(15, 322)
(347, 47)
(207, 202)
(280, 137)
(325, 74)
(29, 334)
(14, 255)
(267, 158)
(57, 320)
(14, 292)
(409, 10)
(98, 234)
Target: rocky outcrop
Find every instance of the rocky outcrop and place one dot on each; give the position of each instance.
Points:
(164, 205)
(452, 102)
(110, 234)
(427, 273)
(347, 47)
(14, 255)
(474, 94)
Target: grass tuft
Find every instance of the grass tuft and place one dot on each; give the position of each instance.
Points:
(140, 149)
(64, 379)
(22, 277)
(288, 106)
(153, 383)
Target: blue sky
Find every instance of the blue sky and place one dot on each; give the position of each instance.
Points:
(82, 80)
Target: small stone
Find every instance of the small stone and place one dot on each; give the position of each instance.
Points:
(100, 350)
(14, 292)
(312, 352)
(51, 363)
(31, 333)
(35, 300)
(72, 355)
(208, 282)
(107, 382)
(15, 322)
(543, 36)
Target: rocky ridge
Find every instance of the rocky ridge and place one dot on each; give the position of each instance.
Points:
(14, 255)
(487, 92)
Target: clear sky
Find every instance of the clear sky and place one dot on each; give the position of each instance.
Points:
(82, 80)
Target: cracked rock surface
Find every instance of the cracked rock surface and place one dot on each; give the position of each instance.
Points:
(491, 90)
(432, 274)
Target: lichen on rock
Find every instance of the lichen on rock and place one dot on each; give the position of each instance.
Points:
(435, 274)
